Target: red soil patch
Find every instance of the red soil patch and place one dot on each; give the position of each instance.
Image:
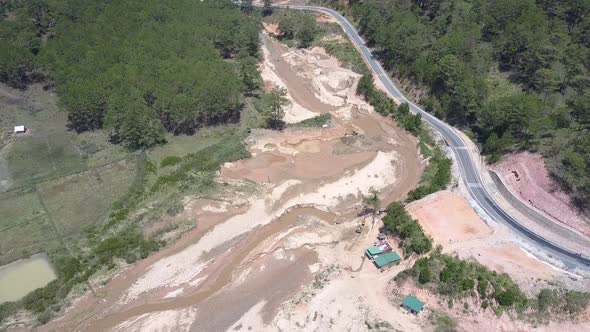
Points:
(272, 29)
(526, 176)
(448, 218)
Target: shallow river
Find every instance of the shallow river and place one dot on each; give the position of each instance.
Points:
(19, 278)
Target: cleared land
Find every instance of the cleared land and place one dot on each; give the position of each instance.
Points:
(448, 218)
(526, 176)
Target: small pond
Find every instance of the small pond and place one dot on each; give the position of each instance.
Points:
(19, 278)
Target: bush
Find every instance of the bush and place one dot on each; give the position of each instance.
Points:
(436, 177)
(170, 161)
(316, 121)
(443, 323)
(199, 167)
(399, 222)
(438, 173)
(457, 278)
(576, 301)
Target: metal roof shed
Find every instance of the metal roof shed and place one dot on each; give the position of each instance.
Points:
(412, 304)
(387, 259)
(373, 251)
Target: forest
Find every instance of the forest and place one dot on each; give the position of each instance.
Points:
(514, 75)
(136, 68)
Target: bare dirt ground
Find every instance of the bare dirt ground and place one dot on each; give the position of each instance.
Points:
(450, 221)
(299, 222)
(526, 176)
(285, 256)
(448, 218)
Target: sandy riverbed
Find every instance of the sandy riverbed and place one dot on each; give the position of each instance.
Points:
(286, 257)
(300, 220)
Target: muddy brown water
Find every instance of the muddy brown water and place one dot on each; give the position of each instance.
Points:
(21, 277)
(317, 159)
(299, 88)
(219, 273)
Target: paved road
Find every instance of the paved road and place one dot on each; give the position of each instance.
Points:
(469, 171)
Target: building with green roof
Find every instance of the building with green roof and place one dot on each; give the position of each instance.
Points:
(387, 259)
(373, 251)
(412, 304)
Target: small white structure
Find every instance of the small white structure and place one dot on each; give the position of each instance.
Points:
(19, 129)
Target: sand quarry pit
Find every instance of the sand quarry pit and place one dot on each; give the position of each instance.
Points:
(525, 176)
(280, 251)
(296, 218)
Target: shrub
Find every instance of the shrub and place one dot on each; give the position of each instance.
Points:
(399, 222)
(170, 161)
(457, 278)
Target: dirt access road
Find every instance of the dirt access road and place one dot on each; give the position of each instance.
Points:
(298, 222)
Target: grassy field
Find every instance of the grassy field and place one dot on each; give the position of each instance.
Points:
(54, 183)
(82, 200)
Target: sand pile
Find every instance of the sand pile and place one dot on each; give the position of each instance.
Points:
(331, 83)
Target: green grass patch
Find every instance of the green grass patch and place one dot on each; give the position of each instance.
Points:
(80, 201)
(36, 158)
(182, 145)
(343, 50)
(47, 151)
(170, 161)
(27, 238)
(198, 168)
(18, 207)
(315, 122)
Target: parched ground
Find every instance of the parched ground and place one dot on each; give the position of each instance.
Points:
(525, 176)
(448, 218)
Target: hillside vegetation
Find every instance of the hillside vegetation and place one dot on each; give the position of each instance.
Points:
(137, 68)
(130, 72)
(513, 74)
(457, 279)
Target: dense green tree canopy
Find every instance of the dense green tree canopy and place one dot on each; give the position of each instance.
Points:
(136, 67)
(514, 73)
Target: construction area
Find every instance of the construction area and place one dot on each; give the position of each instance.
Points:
(297, 217)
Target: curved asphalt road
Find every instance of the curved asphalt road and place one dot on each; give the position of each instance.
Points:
(469, 171)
